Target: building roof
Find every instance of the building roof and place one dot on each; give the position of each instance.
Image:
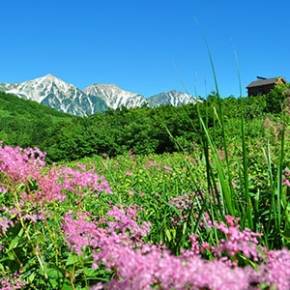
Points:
(264, 82)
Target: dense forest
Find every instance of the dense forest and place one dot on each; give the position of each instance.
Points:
(139, 131)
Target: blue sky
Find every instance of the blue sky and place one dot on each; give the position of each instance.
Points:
(146, 46)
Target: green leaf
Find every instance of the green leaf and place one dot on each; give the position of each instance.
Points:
(14, 243)
(31, 277)
(67, 286)
(168, 234)
(72, 259)
(90, 273)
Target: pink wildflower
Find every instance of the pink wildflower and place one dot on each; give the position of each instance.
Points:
(140, 265)
(25, 166)
(237, 241)
(5, 224)
(276, 272)
(3, 189)
(11, 283)
(21, 164)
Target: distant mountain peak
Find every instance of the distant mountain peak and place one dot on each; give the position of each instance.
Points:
(173, 98)
(50, 77)
(176, 92)
(114, 96)
(56, 93)
(103, 85)
(47, 77)
(60, 95)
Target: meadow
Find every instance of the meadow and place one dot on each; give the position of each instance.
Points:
(215, 214)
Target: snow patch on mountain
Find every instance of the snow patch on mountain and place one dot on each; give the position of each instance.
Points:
(173, 98)
(56, 93)
(65, 97)
(114, 96)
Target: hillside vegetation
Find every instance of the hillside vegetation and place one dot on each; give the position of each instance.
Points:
(26, 123)
(141, 130)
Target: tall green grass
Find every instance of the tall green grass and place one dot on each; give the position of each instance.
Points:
(266, 211)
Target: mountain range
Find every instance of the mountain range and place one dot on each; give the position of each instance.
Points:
(62, 96)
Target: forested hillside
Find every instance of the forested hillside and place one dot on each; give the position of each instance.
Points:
(27, 123)
(140, 130)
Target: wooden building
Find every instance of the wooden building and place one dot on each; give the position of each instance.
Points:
(262, 85)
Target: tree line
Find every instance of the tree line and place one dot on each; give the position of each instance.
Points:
(140, 131)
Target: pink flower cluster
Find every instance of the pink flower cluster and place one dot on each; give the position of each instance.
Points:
(28, 214)
(21, 164)
(81, 232)
(26, 166)
(138, 265)
(6, 284)
(54, 184)
(286, 180)
(11, 283)
(236, 242)
(277, 270)
(74, 179)
(3, 189)
(124, 221)
(5, 224)
(183, 203)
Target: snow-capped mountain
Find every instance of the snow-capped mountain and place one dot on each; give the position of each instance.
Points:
(114, 96)
(173, 98)
(65, 97)
(56, 93)
(5, 87)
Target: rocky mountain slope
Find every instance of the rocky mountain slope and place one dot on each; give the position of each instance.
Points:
(115, 97)
(57, 94)
(172, 98)
(62, 96)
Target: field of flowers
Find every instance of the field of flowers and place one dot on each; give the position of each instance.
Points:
(174, 221)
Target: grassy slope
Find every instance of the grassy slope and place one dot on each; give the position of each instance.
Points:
(12, 106)
(27, 123)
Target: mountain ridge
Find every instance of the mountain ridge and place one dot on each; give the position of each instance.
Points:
(65, 97)
(114, 96)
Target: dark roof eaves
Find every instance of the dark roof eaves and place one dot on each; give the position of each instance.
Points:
(265, 82)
